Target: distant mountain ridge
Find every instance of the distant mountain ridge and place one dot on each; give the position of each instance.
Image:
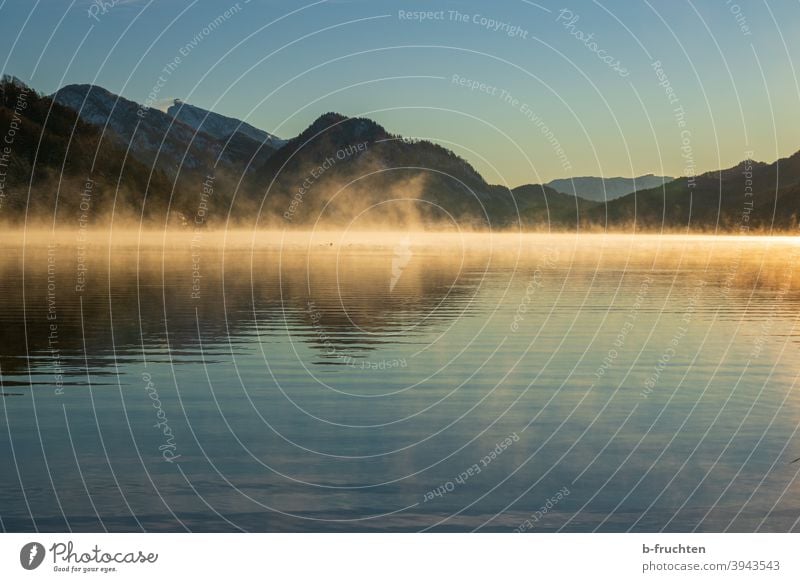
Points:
(603, 189)
(155, 165)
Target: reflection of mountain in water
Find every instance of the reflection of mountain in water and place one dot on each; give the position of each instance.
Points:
(155, 304)
(353, 304)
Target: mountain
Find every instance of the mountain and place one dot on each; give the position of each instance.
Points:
(61, 169)
(157, 139)
(602, 189)
(339, 172)
(188, 157)
(351, 171)
(8, 80)
(749, 196)
(219, 126)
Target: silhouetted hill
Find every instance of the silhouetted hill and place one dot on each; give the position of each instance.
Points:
(184, 154)
(339, 171)
(158, 139)
(749, 196)
(56, 162)
(340, 168)
(543, 208)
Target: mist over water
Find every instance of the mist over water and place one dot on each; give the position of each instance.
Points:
(398, 381)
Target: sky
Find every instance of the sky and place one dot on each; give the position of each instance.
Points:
(526, 91)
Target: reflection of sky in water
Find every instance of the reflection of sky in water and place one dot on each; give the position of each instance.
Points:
(305, 394)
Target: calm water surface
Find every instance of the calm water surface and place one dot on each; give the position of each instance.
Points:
(407, 383)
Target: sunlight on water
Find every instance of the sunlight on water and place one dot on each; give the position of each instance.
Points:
(402, 381)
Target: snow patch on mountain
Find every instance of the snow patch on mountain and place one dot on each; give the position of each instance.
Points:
(219, 126)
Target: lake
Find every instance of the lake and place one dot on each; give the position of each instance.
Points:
(399, 382)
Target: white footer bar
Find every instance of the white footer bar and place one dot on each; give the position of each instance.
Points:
(401, 557)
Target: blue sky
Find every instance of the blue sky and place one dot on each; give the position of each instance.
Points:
(548, 106)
